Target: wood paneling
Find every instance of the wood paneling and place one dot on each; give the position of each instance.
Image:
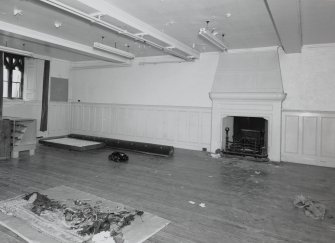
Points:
(328, 136)
(184, 127)
(59, 118)
(309, 137)
(291, 134)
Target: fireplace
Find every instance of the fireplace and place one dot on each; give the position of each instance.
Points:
(248, 84)
(245, 136)
(266, 106)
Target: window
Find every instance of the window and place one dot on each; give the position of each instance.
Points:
(13, 71)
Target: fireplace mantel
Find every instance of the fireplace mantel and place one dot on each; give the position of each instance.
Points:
(269, 96)
(264, 105)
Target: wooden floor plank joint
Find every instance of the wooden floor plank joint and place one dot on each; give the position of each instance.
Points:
(245, 201)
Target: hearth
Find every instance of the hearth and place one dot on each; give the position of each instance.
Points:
(249, 137)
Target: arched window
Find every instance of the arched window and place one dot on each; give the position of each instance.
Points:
(13, 76)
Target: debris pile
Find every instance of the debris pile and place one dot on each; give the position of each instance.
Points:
(41, 203)
(85, 219)
(313, 209)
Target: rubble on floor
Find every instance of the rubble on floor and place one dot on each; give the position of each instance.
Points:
(41, 203)
(85, 219)
(313, 209)
(215, 155)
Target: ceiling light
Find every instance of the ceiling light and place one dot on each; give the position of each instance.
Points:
(17, 12)
(136, 37)
(57, 24)
(228, 15)
(16, 51)
(212, 39)
(176, 54)
(113, 50)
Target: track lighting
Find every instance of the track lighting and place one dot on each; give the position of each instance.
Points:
(16, 51)
(190, 54)
(113, 50)
(212, 38)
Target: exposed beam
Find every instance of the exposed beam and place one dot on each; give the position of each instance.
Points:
(286, 18)
(124, 17)
(42, 38)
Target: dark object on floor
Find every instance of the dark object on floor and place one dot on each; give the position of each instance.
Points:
(118, 157)
(313, 209)
(5, 140)
(147, 148)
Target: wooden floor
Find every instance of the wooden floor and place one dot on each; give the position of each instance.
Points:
(245, 201)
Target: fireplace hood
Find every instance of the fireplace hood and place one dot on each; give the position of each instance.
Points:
(248, 84)
(248, 75)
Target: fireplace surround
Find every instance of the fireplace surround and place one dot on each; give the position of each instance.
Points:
(263, 105)
(248, 84)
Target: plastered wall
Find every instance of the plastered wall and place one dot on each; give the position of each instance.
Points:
(309, 79)
(171, 84)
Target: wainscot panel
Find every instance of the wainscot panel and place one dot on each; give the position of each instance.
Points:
(59, 116)
(308, 137)
(183, 127)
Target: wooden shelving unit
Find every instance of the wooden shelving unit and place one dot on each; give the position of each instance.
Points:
(23, 135)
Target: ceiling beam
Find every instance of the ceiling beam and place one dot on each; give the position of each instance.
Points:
(124, 17)
(42, 38)
(286, 19)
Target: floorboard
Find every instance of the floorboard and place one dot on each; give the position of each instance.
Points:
(246, 201)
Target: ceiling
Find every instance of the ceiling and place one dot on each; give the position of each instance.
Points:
(245, 23)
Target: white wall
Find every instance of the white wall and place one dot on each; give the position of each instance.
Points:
(308, 118)
(309, 79)
(165, 103)
(30, 106)
(171, 84)
(248, 71)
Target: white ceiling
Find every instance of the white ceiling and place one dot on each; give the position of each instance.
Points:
(249, 26)
(318, 21)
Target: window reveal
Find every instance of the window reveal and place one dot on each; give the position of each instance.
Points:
(13, 71)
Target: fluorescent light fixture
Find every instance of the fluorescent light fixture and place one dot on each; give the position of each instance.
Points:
(113, 50)
(212, 39)
(176, 54)
(94, 18)
(16, 51)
